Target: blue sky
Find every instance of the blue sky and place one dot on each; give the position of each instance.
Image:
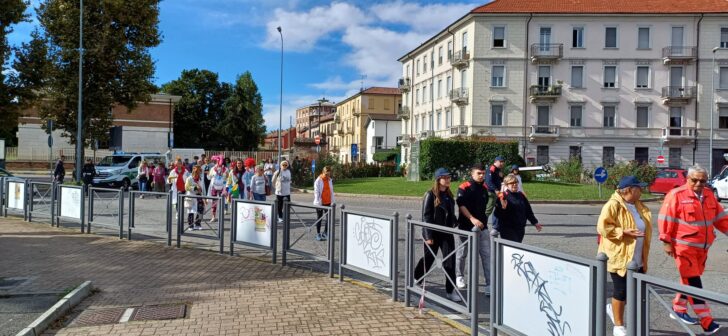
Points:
(328, 46)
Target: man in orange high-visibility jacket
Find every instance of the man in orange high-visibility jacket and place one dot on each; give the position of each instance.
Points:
(687, 220)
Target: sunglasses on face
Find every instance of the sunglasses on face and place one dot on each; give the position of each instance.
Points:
(695, 180)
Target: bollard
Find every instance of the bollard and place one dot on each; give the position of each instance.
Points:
(393, 264)
(342, 243)
(601, 294)
(408, 281)
(630, 311)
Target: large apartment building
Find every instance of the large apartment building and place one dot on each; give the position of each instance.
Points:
(602, 80)
(349, 141)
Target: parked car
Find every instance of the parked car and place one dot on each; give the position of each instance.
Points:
(120, 169)
(667, 179)
(719, 184)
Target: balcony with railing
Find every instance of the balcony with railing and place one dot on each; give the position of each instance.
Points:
(547, 52)
(458, 130)
(675, 134)
(460, 59)
(459, 96)
(404, 112)
(426, 134)
(540, 93)
(405, 84)
(679, 54)
(544, 132)
(678, 94)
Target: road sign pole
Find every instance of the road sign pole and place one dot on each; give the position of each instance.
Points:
(600, 190)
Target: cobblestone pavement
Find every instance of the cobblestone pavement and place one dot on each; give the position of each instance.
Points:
(227, 295)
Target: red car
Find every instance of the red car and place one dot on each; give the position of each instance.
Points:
(667, 179)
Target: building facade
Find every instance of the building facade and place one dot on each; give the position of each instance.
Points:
(309, 117)
(147, 128)
(585, 78)
(288, 137)
(349, 141)
(383, 132)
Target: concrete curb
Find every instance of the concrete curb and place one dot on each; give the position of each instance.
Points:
(59, 309)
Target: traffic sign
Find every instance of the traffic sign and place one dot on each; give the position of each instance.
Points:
(600, 175)
(313, 167)
(50, 141)
(660, 159)
(317, 139)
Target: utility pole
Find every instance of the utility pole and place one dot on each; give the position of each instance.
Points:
(79, 121)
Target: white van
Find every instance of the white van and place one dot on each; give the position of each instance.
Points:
(120, 169)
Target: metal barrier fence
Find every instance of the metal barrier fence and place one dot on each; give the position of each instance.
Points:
(639, 289)
(16, 196)
(104, 199)
(254, 224)
(557, 291)
(70, 205)
(43, 193)
(369, 246)
(144, 211)
(294, 211)
(472, 241)
(192, 210)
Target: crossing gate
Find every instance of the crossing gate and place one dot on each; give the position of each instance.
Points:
(254, 224)
(106, 209)
(210, 230)
(153, 204)
(299, 220)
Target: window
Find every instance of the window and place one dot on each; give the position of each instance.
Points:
(641, 155)
(542, 155)
(449, 50)
(610, 76)
(499, 37)
(497, 76)
(577, 37)
(496, 115)
(378, 142)
(439, 56)
(424, 64)
(448, 84)
(610, 37)
(643, 38)
(417, 68)
(577, 76)
(723, 81)
(465, 43)
(608, 156)
(724, 37)
(642, 116)
(432, 121)
(609, 115)
(575, 152)
(439, 120)
(432, 92)
(424, 94)
(417, 124)
(439, 88)
(576, 111)
(675, 157)
(432, 60)
(417, 97)
(643, 77)
(723, 117)
(448, 118)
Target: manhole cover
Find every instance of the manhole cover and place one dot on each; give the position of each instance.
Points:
(100, 316)
(165, 312)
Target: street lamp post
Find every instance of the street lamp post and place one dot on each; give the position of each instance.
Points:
(79, 117)
(712, 111)
(280, 111)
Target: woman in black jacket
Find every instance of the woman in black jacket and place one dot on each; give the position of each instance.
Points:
(438, 207)
(512, 210)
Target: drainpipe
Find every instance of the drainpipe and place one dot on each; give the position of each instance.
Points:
(432, 88)
(452, 83)
(697, 80)
(525, 90)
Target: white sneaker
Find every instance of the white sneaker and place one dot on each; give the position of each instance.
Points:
(280, 220)
(610, 313)
(619, 331)
(460, 282)
(454, 296)
(487, 290)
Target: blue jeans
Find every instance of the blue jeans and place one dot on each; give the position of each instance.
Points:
(259, 197)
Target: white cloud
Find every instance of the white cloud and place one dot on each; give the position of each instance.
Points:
(427, 19)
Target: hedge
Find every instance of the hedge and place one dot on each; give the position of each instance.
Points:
(459, 155)
(303, 177)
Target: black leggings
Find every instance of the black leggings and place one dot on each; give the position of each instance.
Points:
(445, 243)
(319, 220)
(619, 286)
(279, 204)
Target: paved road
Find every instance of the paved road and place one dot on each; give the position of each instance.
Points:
(568, 228)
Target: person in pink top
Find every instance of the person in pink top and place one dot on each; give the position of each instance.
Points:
(158, 177)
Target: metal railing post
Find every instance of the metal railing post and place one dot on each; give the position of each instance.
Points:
(179, 219)
(169, 218)
(53, 204)
(332, 236)
(286, 227)
(131, 214)
(642, 310)
(274, 233)
(631, 310)
(342, 243)
(221, 225)
(233, 227)
(395, 257)
(29, 204)
(495, 292)
(90, 210)
(121, 213)
(601, 294)
(474, 256)
(408, 263)
(26, 199)
(83, 209)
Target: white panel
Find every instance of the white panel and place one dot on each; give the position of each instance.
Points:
(16, 195)
(368, 244)
(551, 294)
(71, 203)
(254, 223)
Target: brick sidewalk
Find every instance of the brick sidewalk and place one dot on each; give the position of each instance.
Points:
(228, 295)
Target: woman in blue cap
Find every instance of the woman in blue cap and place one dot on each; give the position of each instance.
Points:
(438, 207)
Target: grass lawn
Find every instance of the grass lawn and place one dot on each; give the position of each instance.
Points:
(536, 191)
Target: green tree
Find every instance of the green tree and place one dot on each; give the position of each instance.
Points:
(243, 126)
(11, 13)
(117, 68)
(198, 114)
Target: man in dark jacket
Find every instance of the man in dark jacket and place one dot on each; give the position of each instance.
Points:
(494, 181)
(88, 173)
(472, 203)
(59, 171)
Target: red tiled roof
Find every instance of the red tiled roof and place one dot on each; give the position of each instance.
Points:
(604, 6)
(383, 90)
